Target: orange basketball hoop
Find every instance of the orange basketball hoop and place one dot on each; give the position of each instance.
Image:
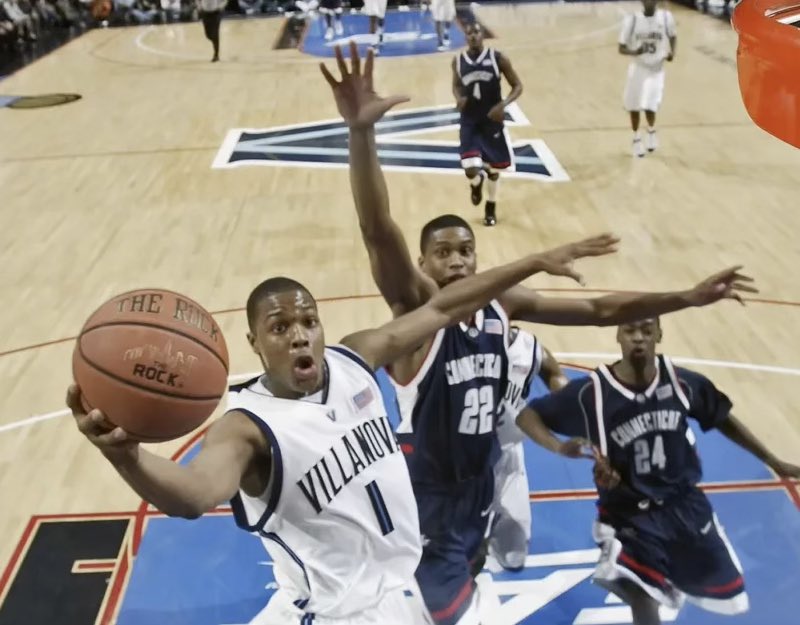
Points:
(768, 59)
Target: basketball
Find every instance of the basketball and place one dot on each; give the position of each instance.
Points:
(153, 361)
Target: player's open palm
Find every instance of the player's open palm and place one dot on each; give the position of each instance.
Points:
(727, 284)
(560, 260)
(355, 96)
(112, 441)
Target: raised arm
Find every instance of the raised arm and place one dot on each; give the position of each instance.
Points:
(526, 305)
(402, 285)
(211, 478)
(462, 298)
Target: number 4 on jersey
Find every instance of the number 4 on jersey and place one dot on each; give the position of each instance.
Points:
(645, 461)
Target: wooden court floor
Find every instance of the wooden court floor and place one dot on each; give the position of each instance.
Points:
(117, 191)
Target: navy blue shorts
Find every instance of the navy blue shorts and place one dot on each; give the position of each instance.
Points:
(674, 552)
(453, 522)
(484, 142)
(330, 6)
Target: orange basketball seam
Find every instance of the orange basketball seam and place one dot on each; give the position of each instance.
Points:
(170, 330)
(114, 376)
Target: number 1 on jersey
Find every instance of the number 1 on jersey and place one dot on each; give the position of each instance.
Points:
(379, 506)
(476, 91)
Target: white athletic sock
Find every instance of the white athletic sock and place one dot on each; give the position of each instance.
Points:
(491, 189)
(476, 180)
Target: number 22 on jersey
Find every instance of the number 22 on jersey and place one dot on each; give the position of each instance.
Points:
(478, 411)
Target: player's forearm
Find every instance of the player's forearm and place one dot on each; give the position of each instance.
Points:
(619, 308)
(673, 45)
(463, 297)
(174, 489)
(367, 182)
(625, 50)
(531, 423)
(515, 92)
(735, 431)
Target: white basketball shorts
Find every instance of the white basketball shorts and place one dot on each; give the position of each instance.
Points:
(643, 89)
(511, 531)
(375, 8)
(443, 10)
(396, 608)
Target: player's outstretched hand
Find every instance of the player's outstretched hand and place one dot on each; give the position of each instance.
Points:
(112, 441)
(355, 96)
(560, 260)
(727, 284)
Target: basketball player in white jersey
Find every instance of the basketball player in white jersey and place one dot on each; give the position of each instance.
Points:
(649, 36)
(376, 9)
(511, 527)
(307, 457)
(443, 12)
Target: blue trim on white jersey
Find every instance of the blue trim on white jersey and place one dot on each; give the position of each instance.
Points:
(276, 479)
(241, 386)
(279, 541)
(355, 357)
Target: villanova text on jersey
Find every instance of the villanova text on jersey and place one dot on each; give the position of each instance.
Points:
(355, 451)
(449, 409)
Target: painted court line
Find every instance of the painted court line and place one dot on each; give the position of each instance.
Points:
(725, 364)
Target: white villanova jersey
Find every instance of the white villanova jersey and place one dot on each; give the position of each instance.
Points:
(339, 517)
(524, 363)
(651, 33)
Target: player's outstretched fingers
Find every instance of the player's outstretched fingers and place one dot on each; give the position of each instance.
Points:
(355, 59)
(340, 62)
(369, 65)
(328, 76)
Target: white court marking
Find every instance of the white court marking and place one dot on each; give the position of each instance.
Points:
(724, 364)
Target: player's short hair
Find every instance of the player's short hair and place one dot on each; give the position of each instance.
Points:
(440, 223)
(269, 287)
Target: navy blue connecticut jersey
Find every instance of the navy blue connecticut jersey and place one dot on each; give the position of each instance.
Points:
(644, 433)
(480, 83)
(449, 409)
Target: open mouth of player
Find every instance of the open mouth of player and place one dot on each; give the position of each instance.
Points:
(454, 277)
(305, 369)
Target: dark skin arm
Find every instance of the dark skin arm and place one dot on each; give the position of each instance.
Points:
(734, 430)
(498, 111)
(461, 99)
(462, 298)
(231, 448)
(551, 372)
(526, 305)
(626, 51)
(673, 42)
